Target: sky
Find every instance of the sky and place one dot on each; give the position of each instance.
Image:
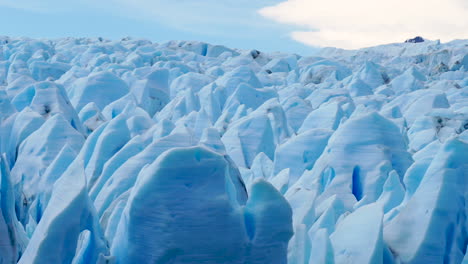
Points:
(300, 26)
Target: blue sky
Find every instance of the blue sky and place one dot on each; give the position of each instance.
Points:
(299, 26)
(232, 23)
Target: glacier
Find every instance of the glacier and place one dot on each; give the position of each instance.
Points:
(130, 151)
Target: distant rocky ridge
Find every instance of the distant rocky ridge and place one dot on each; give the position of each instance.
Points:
(417, 39)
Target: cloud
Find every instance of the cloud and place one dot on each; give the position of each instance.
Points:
(362, 23)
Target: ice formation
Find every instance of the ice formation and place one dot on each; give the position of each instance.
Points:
(184, 152)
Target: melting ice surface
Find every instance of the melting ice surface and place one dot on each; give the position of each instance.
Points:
(184, 152)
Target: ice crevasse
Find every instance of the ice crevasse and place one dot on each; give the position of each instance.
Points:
(131, 151)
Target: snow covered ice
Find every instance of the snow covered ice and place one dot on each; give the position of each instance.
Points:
(185, 152)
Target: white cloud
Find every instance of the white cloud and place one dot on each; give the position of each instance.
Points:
(362, 23)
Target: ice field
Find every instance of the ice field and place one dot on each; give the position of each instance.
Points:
(130, 151)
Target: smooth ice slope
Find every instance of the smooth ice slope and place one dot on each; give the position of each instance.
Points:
(169, 203)
(130, 151)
